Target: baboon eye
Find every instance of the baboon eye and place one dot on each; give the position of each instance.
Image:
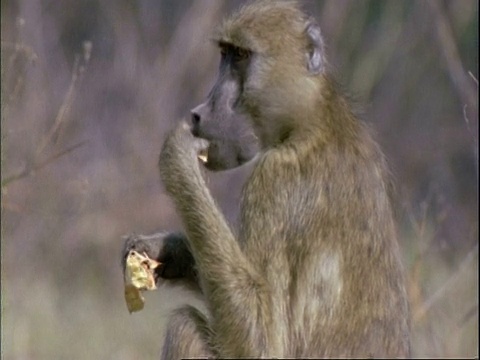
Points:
(236, 53)
(240, 54)
(223, 51)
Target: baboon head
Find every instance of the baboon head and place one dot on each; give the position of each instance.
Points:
(232, 141)
(271, 62)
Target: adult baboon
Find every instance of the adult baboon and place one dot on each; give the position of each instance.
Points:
(315, 270)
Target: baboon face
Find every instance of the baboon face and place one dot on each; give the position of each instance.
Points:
(220, 119)
(261, 87)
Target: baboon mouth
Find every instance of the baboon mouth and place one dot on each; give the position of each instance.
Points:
(222, 155)
(203, 156)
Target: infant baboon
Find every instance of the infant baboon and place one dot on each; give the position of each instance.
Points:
(315, 270)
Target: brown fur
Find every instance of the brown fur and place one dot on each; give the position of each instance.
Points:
(316, 269)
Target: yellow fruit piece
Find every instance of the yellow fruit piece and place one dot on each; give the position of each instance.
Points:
(203, 156)
(134, 298)
(138, 277)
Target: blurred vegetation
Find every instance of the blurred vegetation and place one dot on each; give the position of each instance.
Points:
(90, 87)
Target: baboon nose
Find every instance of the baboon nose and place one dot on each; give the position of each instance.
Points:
(195, 118)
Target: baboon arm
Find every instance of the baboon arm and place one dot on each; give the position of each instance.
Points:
(212, 242)
(234, 290)
(231, 284)
(214, 246)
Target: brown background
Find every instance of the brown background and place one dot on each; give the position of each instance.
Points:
(65, 208)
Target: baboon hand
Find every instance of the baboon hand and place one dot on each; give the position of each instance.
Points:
(168, 248)
(181, 146)
(179, 155)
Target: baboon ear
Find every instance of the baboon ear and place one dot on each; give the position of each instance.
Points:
(315, 54)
